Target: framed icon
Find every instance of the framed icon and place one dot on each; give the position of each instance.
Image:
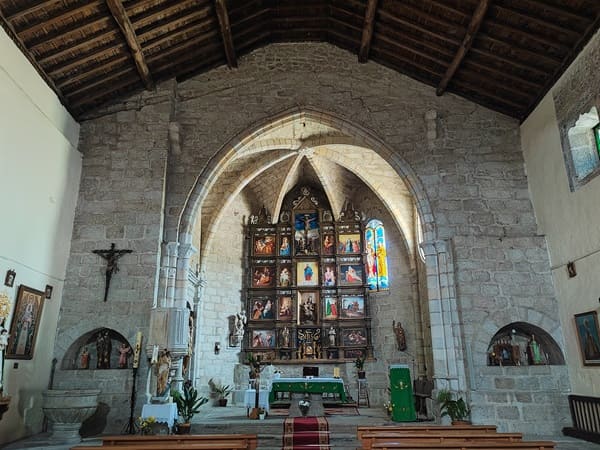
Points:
(588, 336)
(308, 308)
(353, 307)
(25, 323)
(307, 273)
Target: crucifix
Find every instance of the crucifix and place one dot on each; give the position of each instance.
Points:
(111, 256)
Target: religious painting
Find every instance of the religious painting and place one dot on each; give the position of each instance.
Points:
(262, 339)
(263, 276)
(308, 308)
(306, 233)
(307, 273)
(330, 308)
(351, 274)
(264, 245)
(262, 308)
(354, 353)
(328, 244)
(353, 307)
(349, 244)
(285, 246)
(285, 307)
(48, 291)
(284, 277)
(25, 323)
(9, 279)
(286, 337)
(354, 336)
(329, 276)
(588, 335)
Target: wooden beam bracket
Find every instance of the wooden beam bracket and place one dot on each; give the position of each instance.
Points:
(226, 35)
(367, 32)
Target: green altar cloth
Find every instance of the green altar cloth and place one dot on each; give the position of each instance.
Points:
(403, 403)
(308, 386)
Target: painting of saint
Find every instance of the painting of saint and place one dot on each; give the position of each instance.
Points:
(264, 245)
(351, 273)
(353, 307)
(308, 308)
(330, 309)
(328, 244)
(285, 311)
(306, 235)
(285, 277)
(307, 273)
(349, 243)
(25, 324)
(263, 276)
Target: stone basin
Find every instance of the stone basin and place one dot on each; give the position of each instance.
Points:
(67, 409)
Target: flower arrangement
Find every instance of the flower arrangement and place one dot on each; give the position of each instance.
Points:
(388, 408)
(146, 424)
(304, 406)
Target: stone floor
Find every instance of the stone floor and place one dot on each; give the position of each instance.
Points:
(232, 419)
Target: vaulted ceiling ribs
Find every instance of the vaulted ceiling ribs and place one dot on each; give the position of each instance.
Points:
(502, 54)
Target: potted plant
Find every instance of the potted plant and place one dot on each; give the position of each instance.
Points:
(221, 391)
(456, 409)
(359, 363)
(188, 404)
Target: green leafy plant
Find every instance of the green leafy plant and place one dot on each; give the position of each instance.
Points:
(359, 363)
(456, 409)
(222, 390)
(188, 402)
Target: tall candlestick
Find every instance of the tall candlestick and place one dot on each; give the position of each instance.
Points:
(138, 349)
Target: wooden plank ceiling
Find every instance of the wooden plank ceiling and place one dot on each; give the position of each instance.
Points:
(502, 54)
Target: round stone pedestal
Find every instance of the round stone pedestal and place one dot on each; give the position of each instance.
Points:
(67, 409)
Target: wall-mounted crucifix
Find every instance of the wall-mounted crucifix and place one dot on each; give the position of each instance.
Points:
(111, 256)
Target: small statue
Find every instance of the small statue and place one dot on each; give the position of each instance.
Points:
(285, 334)
(124, 351)
(240, 323)
(84, 360)
(534, 352)
(400, 336)
(332, 336)
(162, 378)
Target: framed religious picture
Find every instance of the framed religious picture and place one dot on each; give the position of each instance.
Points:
(9, 279)
(307, 273)
(329, 275)
(284, 276)
(48, 291)
(262, 308)
(308, 308)
(286, 337)
(351, 274)
(264, 245)
(285, 245)
(588, 335)
(354, 353)
(306, 233)
(285, 307)
(328, 244)
(330, 308)
(354, 336)
(262, 338)
(353, 307)
(349, 244)
(25, 323)
(263, 276)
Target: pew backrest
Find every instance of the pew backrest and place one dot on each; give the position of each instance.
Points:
(250, 440)
(445, 429)
(522, 445)
(368, 439)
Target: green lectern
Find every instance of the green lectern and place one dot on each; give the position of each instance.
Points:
(403, 403)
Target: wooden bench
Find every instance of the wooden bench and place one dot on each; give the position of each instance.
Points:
(368, 439)
(207, 445)
(176, 440)
(444, 429)
(522, 445)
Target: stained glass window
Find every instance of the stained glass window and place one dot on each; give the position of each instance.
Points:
(377, 266)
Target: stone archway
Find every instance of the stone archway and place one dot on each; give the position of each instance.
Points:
(357, 150)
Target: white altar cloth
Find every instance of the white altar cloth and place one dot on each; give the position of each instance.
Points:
(263, 399)
(164, 412)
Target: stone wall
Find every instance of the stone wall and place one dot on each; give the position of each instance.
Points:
(467, 158)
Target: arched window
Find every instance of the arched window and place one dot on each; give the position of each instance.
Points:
(377, 266)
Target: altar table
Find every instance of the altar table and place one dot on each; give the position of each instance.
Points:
(308, 386)
(263, 399)
(164, 412)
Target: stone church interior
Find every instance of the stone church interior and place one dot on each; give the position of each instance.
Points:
(234, 196)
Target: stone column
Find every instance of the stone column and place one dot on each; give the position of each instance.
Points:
(447, 345)
(186, 251)
(168, 271)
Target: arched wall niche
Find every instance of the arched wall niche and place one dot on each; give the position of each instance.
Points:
(514, 341)
(72, 359)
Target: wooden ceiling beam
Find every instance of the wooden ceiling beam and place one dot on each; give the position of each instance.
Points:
(497, 9)
(72, 48)
(89, 98)
(187, 20)
(367, 31)
(102, 68)
(189, 31)
(60, 18)
(188, 43)
(81, 60)
(148, 18)
(556, 10)
(465, 46)
(118, 12)
(104, 79)
(226, 35)
(65, 34)
(19, 42)
(32, 9)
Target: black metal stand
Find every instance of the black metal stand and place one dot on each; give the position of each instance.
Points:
(131, 427)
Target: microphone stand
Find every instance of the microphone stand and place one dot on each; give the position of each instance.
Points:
(131, 427)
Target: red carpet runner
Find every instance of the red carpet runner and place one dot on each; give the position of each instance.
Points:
(305, 433)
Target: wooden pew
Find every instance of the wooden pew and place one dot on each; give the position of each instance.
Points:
(522, 445)
(368, 439)
(176, 440)
(207, 445)
(445, 429)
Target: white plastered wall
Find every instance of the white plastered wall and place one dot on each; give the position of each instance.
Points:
(570, 221)
(40, 169)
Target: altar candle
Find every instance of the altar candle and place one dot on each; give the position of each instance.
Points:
(138, 349)
(336, 372)
(154, 359)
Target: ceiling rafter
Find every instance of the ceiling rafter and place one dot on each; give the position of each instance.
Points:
(60, 52)
(498, 9)
(61, 17)
(32, 9)
(557, 10)
(465, 46)
(95, 55)
(367, 31)
(226, 35)
(98, 69)
(187, 20)
(66, 33)
(89, 98)
(147, 18)
(19, 42)
(188, 31)
(118, 12)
